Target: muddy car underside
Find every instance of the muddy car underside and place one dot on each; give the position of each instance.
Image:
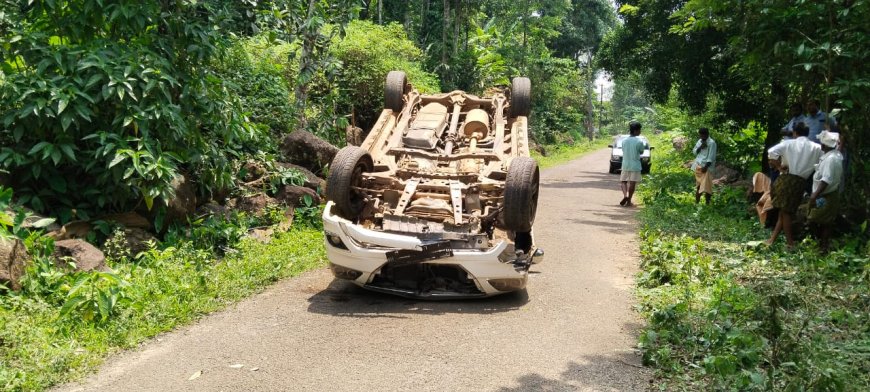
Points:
(451, 171)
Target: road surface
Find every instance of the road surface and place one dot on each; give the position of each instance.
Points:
(572, 329)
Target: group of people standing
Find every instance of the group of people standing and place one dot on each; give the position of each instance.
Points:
(808, 159)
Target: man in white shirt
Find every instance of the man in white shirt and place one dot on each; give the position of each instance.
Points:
(801, 156)
(816, 120)
(705, 158)
(824, 203)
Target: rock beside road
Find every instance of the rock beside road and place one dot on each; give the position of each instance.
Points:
(136, 240)
(307, 150)
(13, 262)
(311, 180)
(85, 256)
(680, 143)
(293, 196)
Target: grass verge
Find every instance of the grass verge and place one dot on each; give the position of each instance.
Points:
(557, 155)
(727, 314)
(41, 345)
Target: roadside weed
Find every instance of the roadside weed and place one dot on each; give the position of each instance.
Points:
(726, 314)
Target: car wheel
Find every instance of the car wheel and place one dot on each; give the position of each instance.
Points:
(613, 169)
(345, 173)
(394, 91)
(521, 96)
(521, 194)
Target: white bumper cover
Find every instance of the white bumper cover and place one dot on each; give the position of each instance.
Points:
(367, 252)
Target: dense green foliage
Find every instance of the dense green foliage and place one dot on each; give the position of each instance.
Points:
(477, 45)
(256, 71)
(727, 314)
(103, 105)
(747, 61)
(368, 52)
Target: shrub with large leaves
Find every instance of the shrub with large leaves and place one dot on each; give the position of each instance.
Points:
(104, 102)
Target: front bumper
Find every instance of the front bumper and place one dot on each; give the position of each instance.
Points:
(359, 254)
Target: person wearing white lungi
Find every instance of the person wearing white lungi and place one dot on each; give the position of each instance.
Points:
(705, 158)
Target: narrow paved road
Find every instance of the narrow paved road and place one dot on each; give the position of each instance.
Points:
(574, 328)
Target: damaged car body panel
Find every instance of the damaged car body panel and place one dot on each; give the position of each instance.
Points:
(440, 199)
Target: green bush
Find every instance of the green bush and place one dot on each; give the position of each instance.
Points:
(367, 53)
(261, 80)
(102, 107)
(726, 314)
(558, 100)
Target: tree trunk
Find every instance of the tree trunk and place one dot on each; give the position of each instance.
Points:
(424, 12)
(364, 11)
(301, 93)
(457, 20)
(590, 108)
(380, 12)
(444, 24)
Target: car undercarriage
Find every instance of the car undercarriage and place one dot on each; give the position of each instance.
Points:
(439, 179)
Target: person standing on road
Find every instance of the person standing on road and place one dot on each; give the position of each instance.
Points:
(816, 120)
(632, 148)
(705, 158)
(796, 160)
(824, 204)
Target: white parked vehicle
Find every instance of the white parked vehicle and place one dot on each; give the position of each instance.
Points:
(440, 199)
(616, 155)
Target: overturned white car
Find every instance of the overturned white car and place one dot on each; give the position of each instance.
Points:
(440, 199)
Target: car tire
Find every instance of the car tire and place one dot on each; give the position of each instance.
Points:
(521, 194)
(394, 91)
(613, 169)
(346, 172)
(521, 96)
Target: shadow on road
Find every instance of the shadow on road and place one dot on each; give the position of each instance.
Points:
(344, 299)
(621, 371)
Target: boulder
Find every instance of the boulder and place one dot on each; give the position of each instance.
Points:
(72, 230)
(85, 256)
(252, 171)
(724, 175)
(183, 203)
(129, 220)
(534, 146)
(286, 223)
(255, 204)
(212, 208)
(311, 180)
(354, 135)
(13, 262)
(293, 195)
(307, 150)
(680, 143)
(136, 240)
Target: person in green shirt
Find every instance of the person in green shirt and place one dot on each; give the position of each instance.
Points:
(632, 148)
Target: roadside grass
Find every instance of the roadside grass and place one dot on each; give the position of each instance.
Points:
(560, 154)
(725, 313)
(42, 345)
